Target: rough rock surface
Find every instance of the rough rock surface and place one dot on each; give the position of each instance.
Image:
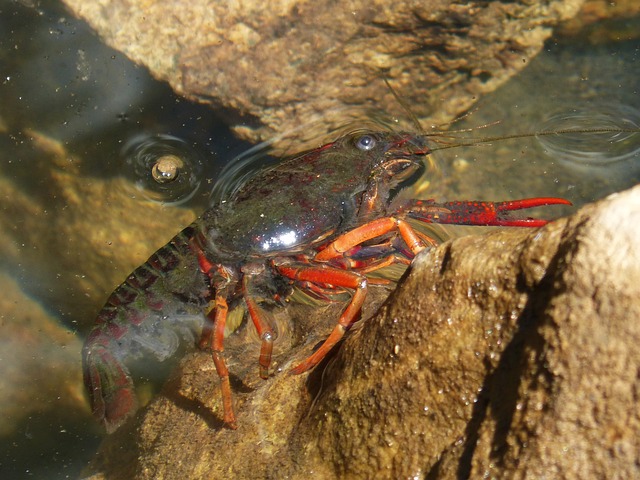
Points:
(511, 354)
(299, 62)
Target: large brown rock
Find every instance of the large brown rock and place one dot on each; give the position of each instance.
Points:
(303, 62)
(507, 354)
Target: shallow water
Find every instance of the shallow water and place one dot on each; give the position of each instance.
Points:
(569, 86)
(77, 122)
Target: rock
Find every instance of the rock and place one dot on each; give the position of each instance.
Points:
(517, 358)
(600, 21)
(318, 63)
(509, 354)
(98, 229)
(39, 372)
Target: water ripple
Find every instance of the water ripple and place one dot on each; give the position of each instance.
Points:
(595, 138)
(164, 168)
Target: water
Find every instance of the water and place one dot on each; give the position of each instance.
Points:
(597, 149)
(81, 130)
(568, 86)
(75, 119)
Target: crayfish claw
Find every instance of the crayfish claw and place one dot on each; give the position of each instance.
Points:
(490, 214)
(530, 203)
(502, 210)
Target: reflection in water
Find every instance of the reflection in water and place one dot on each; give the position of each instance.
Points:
(163, 167)
(594, 149)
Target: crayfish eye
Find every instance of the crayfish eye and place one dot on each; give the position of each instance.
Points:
(365, 142)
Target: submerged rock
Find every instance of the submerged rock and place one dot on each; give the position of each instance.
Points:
(297, 62)
(81, 234)
(38, 371)
(507, 354)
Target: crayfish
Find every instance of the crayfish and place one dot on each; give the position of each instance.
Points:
(321, 220)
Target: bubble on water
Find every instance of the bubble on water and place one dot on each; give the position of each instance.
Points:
(595, 137)
(165, 168)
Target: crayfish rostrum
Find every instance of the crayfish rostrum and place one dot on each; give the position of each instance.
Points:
(321, 220)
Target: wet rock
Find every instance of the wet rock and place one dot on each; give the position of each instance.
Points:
(600, 21)
(98, 230)
(507, 354)
(304, 63)
(39, 372)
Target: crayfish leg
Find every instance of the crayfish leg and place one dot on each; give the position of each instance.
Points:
(217, 352)
(207, 328)
(336, 277)
(341, 246)
(345, 242)
(262, 327)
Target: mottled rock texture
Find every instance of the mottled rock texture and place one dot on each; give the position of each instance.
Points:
(39, 372)
(321, 64)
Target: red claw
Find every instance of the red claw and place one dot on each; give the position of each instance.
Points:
(525, 203)
(491, 214)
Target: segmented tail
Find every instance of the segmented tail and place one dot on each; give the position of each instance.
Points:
(108, 382)
(156, 307)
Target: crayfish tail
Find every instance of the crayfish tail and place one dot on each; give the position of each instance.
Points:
(111, 392)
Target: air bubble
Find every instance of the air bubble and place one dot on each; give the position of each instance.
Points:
(167, 168)
(164, 168)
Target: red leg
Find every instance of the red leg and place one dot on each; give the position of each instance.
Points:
(215, 334)
(207, 328)
(217, 350)
(337, 277)
(364, 267)
(376, 228)
(479, 213)
(324, 293)
(370, 258)
(264, 330)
